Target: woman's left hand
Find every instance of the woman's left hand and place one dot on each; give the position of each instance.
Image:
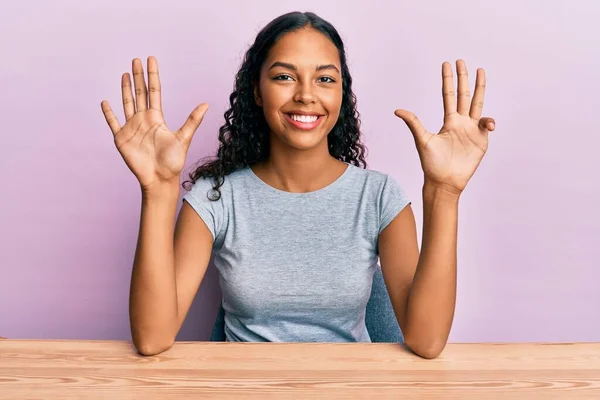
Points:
(449, 159)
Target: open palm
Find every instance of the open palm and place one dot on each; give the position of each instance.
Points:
(151, 151)
(451, 157)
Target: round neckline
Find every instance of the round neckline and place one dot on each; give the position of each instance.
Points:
(301, 194)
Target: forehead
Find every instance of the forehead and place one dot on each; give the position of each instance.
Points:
(304, 47)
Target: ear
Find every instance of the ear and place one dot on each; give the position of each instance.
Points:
(257, 97)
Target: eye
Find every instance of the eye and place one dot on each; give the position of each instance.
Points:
(281, 77)
(327, 79)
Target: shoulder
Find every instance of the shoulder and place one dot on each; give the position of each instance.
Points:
(368, 174)
(373, 180)
(383, 193)
(213, 205)
(203, 188)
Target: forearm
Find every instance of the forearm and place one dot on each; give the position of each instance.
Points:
(432, 297)
(153, 293)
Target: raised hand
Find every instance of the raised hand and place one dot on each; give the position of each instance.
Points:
(451, 157)
(152, 152)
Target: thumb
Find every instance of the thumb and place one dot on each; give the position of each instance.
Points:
(186, 132)
(487, 123)
(413, 123)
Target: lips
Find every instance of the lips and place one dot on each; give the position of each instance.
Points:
(304, 121)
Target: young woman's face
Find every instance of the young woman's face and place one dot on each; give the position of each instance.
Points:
(300, 89)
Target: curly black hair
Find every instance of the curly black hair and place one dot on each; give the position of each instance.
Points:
(244, 138)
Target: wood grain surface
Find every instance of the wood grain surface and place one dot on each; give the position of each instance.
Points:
(73, 369)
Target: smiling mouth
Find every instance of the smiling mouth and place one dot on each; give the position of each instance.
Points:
(304, 122)
(304, 118)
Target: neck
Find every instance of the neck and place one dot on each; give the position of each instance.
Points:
(300, 171)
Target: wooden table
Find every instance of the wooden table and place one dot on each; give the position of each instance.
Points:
(37, 369)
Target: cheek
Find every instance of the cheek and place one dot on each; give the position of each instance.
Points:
(273, 97)
(334, 104)
(272, 101)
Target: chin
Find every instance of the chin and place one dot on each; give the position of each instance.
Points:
(302, 140)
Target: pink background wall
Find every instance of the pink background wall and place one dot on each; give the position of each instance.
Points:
(529, 266)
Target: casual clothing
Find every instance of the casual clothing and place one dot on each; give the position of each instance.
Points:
(297, 267)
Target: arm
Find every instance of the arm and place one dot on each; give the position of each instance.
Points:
(422, 287)
(425, 306)
(168, 269)
(168, 266)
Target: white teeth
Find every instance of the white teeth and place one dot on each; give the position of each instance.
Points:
(304, 118)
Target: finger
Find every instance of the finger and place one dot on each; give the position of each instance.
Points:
(154, 84)
(464, 95)
(448, 89)
(128, 103)
(477, 102)
(111, 119)
(186, 132)
(141, 100)
(487, 124)
(413, 123)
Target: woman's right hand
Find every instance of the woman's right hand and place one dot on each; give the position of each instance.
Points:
(152, 152)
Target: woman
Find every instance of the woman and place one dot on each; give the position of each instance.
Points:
(295, 220)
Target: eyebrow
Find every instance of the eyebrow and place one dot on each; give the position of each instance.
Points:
(294, 68)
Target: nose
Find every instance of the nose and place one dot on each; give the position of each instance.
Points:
(305, 94)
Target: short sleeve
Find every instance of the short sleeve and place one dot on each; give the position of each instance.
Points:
(211, 211)
(392, 200)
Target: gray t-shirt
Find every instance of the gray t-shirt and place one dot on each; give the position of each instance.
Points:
(297, 267)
